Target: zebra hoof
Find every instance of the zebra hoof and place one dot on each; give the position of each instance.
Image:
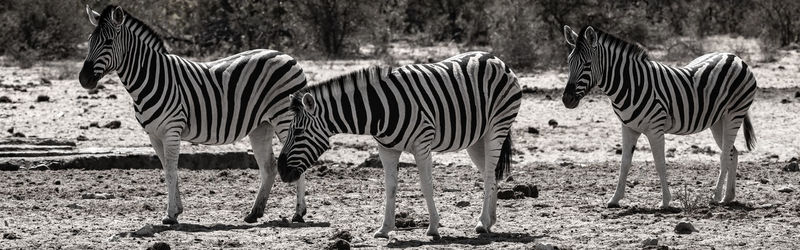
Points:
(481, 230)
(169, 221)
(252, 218)
(613, 205)
(379, 234)
(298, 218)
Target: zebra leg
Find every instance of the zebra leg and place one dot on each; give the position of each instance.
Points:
(657, 145)
(389, 159)
(717, 130)
(261, 141)
(492, 149)
(732, 158)
(168, 150)
(300, 205)
(629, 138)
(425, 165)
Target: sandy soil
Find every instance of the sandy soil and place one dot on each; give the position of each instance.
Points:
(573, 164)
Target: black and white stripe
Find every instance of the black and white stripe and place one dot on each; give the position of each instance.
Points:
(214, 103)
(713, 91)
(468, 102)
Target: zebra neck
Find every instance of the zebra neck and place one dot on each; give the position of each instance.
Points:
(351, 107)
(623, 77)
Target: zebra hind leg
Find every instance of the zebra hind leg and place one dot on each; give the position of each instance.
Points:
(716, 131)
(493, 151)
(261, 141)
(731, 158)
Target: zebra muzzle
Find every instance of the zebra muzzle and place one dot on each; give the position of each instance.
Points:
(87, 77)
(570, 101)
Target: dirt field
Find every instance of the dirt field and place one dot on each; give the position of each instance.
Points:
(573, 165)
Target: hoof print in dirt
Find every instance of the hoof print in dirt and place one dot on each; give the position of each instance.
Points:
(159, 246)
(113, 125)
(685, 228)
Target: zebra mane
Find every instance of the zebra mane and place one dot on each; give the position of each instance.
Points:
(132, 23)
(636, 49)
(347, 78)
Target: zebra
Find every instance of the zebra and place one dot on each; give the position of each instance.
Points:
(468, 101)
(713, 91)
(211, 103)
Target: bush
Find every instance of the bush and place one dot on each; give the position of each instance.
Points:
(30, 30)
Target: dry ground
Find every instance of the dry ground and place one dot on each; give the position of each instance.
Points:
(573, 164)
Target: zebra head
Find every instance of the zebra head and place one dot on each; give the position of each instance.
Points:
(580, 79)
(102, 56)
(306, 141)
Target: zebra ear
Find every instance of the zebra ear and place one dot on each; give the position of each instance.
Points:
(591, 36)
(570, 35)
(117, 16)
(93, 15)
(308, 103)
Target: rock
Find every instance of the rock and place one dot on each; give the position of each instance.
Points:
(42, 98)
(553, 123)
(543, 246)
(99, 196)
(650, 242)
(532, 130)
(8, 166)
(113, 124)
(93, 91)
(5, 99)
(526, 90)
(111, 96)
(10, 130)
(785, 101)
(797, 94)
(74, 206)
(10, 236)
(18, 134)
(524, 189)
(763, 181)
(159, 246)
(82, 138)
(791, 167)
(146, 231)
(509, 194)
(57, 182)
(786, 189)
(45, 81)
(94, 124)
(374, 161)
(339, 244)
(685, 228)
(462, 204)
(345, 235)
(83, 127)
(534, 191)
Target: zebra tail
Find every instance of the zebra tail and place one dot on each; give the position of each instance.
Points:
(749, 135)
(504, 164)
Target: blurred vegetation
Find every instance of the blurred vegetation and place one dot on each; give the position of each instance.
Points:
(525, 33)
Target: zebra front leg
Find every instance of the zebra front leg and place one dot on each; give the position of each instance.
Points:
(300, 205)
(389, 159)
(657, 146)
(425, 165)
(168, 150)
(629, 138)
(261, 141)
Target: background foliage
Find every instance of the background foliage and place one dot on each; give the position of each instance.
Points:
(525, 33)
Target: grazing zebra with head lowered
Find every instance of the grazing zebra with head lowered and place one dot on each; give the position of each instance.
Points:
(465, 102)
(713, 91)
(214, 103)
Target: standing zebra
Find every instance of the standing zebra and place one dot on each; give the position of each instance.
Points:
(713, 91)
(213, 103)
(465, 102)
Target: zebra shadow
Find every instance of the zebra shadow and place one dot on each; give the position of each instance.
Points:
(150, 230)
(480, 240)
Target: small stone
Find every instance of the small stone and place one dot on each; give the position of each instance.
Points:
(42, 98)
(18, 134)
(82, 138)
(650, 242)
(74, 206)
(543, 246)
(93, 91)
(10, 236)
(786, 189)
(10, 130)
(83, 127)
(553, 123)
(146, 231)
(94, 124)
(534, 191)
(797, 94)
(526, 90)
(462, 204)
(763, 181)
(785, 101)
(532, 130)
(113, 124)
(345, 235)
(791, 167)
(57, 182)
(159, 246)
(111, 96)
(685, 228)
(339, 244)
(45, 81)
(524, 189)
(5, 99)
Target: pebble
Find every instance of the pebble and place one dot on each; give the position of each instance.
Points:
(93, 91)
(797, 94)
(650, 242)
(111, 96)
(74, 206)
(345, 235)
(18, 134)
(5, 99)
(786, 189)
(532, 130)
(509, 194)
(462, 204)
(685, 228)
(543, 246)
(94, 124)
(785, 101)
(45, 81)
(82, 138)
(791, 167)
(159, 246)
(10, 236)
(113, 124)
(42, 98)
(553, 123)
(339, 244)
